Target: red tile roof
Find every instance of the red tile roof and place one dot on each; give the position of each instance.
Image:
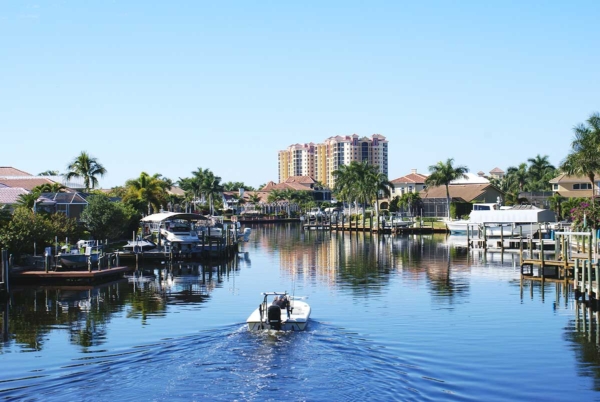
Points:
(411, 178)
(7, 171)
(466, 192)
(300, 179)
(496, 170)
(26, 183)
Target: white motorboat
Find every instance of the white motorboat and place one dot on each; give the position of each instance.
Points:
(393, 220)
(139, 245)
(506, 221)
(281, 312)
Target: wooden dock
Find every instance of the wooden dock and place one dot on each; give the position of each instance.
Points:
(29, 275)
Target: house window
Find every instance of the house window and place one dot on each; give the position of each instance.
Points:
(555, 187)
(582, 186)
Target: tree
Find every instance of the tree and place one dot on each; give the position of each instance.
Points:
(517, 177)
(29, 200)
(87, 168)
(148, 190)
(49, 173)
(26, 228)
(541, 171)
(410, 202)
(584, 158)
(50, 188)
(556, 202)
(109, 220)
(443, 173)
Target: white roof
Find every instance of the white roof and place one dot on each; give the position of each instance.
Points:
(163, 216)
(517, 214)
(472, 178)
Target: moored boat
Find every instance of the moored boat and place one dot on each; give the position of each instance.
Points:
(280, 312)
(84, 253)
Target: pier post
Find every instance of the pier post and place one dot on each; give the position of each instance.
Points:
(468, 234)
(582, 284)
(531, 247)
(502, 238)
(576, 275)
(521, 251)
(589, 278)
(597, 287)
(542, 251)
(484, 237)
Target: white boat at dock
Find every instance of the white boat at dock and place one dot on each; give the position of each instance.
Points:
(280, 312)
(499, 220)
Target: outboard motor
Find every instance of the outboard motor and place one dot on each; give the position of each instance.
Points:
(274, 317)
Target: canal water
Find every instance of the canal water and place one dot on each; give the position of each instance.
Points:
(416, 318)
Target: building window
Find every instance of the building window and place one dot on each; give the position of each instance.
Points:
(582, 186)
(555, 187)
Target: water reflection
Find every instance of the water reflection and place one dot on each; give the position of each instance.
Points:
(84, 311)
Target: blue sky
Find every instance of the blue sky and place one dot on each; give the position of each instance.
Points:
(167, 87)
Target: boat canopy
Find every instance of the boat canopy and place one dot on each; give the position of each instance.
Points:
(164, 216)
(518, 214)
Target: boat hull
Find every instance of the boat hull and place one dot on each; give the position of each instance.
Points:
(77, 260)
(297, 320)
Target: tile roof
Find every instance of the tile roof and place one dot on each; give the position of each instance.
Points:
(564, 178)
(466, 192)
(10, 195)
(411, 178)
(26, 183)
(300, 179)
(496, 170)
(7, 171)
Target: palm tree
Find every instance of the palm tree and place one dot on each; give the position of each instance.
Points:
(517, 177)
(87, 168)
(151, 190)
(372, 183)
(49, 173)
(346, 179)
(409, 202)
(556, 204)
(211, 187)
(29, 200)
(540, 172)
(50, 188)
(584, 158)
(254, 198)
(443, 173)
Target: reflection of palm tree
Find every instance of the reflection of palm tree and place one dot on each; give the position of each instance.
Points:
(443, 173)
(87, 168)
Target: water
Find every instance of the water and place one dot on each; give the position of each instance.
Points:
(393, 318)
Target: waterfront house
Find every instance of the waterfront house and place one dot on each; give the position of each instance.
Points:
(411, 183)
(575, 186)
(463, 192)
(497, 173)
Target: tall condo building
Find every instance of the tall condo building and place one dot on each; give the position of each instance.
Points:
(319, 161)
